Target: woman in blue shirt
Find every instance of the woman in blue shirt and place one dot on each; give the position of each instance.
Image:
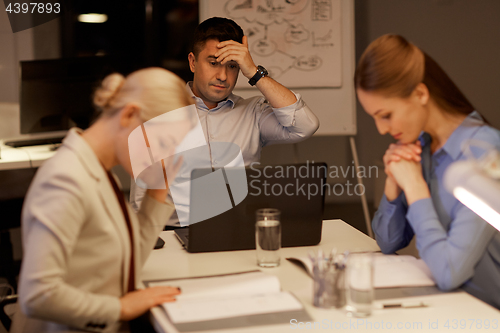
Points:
(411, 97)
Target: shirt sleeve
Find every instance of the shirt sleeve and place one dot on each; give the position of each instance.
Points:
(137, 193)
(392, 230)
(152, 218)
(288, 124)
(451, 255)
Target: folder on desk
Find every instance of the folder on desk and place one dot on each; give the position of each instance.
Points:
(229, 301)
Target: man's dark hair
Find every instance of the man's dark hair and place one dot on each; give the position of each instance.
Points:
(218, 28)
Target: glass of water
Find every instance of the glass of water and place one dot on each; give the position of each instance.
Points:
(359, 284)
(268, 237)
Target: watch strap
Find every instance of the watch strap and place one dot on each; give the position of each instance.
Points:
(261, 72)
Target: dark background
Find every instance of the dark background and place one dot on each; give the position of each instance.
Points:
(157, 31)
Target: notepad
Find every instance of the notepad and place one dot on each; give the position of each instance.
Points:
(393, 271)
(231, 300)
(390, 271)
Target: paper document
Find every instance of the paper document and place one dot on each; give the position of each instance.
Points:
(227, 296)
(234, 285)
(401, 271)
(210, 309)
(390, 271)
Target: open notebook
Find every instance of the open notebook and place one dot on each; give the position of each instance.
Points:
(229, 301)
(390, 271)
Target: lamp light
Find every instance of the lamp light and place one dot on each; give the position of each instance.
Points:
(92, 18)
(476, 183)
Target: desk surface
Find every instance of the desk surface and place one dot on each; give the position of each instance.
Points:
(24, 157)
(444, 313)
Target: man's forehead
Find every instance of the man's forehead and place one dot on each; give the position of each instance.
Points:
(210, 46)
(211, 56)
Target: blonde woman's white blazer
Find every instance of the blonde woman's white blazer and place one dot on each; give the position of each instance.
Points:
(76, 245)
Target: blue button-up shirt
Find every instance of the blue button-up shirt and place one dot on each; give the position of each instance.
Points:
(460, 248)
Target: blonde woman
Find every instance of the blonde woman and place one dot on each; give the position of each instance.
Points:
(83, 246)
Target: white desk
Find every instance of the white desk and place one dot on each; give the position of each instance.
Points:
(33, 157)
(17, 168)
(24, 157)
(174, 262)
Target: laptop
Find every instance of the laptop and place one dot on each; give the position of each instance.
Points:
(297, 190)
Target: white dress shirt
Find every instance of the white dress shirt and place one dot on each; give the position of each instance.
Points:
(250, 123)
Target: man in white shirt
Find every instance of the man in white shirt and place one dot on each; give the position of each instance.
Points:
(220, 51)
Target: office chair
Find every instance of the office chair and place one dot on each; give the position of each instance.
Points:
(5, 301)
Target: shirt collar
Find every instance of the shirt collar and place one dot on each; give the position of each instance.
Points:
(200, 105)
(453, 146)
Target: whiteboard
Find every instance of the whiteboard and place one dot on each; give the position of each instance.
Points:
(297, 41)
(327, 85)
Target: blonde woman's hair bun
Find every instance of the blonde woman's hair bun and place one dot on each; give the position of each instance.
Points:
(103, 96)
(153, 90)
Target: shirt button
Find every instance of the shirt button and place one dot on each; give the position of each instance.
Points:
(211, 136)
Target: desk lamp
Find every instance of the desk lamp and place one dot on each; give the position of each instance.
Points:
(476, 183)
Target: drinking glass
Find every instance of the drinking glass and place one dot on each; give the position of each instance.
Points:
(268, 237)
(359, 284)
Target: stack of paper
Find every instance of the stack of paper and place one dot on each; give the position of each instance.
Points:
(401, 271)
(232, 300)
(390, 271)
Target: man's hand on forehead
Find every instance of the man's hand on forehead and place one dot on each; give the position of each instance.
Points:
(233, 51)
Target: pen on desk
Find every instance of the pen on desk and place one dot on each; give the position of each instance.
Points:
(405, 305)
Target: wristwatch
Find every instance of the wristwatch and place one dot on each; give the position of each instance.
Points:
(261, 72)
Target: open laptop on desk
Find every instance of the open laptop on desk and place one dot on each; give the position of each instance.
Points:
(296, 190)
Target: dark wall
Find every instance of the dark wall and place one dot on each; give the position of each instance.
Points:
(461, 35)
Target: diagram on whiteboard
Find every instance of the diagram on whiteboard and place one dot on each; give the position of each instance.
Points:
(298, 41)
